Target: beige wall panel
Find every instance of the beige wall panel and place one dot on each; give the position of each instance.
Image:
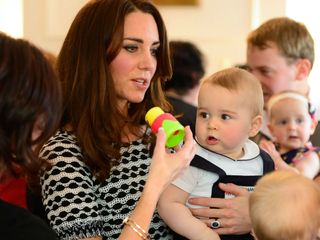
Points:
(218, 27)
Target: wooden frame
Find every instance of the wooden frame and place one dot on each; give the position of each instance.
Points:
(176, 2)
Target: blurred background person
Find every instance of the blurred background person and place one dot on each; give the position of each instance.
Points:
(30, 108)
(182, 89)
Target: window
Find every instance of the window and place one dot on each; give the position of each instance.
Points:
(11, 17)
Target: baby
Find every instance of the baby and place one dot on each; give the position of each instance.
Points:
(285, 205)
(291, 123)
(230, 106)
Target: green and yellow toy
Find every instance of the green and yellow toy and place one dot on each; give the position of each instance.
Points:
(157, 118)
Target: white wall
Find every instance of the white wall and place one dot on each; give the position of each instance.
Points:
(311, 20)
(218, 27)
(46, 22)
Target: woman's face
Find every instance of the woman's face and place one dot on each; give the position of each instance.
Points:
(134, 66)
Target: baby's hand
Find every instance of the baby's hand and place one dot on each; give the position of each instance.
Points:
(270, 148)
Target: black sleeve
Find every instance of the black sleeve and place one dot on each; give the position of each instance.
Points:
(19, 224)
(35, 206)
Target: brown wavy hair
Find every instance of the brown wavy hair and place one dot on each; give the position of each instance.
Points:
(93, 41)
(30, 97)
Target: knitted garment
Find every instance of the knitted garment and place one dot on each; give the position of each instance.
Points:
(78, 206)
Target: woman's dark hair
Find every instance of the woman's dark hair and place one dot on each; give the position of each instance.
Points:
(188, 67)
(30, 100)
(93, 41)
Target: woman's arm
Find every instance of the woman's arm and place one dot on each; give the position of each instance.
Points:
(68, 190)
(164, 168)
(307, 164)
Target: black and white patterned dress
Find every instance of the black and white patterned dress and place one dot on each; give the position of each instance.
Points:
(78, 206)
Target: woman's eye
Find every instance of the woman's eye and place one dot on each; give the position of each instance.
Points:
(225, 117)
(130, 48)
(154, 51)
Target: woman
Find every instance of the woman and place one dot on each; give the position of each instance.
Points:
(112, 65)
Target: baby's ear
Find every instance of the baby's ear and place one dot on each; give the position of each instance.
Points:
(256, 124)
(270, 128)
(314, 123)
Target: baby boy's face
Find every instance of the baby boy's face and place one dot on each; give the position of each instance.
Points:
(223, 120)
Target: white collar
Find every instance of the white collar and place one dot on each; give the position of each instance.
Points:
(251, 150)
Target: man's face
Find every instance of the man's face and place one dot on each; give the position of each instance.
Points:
(272, 70)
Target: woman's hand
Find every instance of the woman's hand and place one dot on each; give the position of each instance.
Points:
(166, 166)
(233, 213)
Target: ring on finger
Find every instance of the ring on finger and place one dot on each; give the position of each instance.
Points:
(215, 224)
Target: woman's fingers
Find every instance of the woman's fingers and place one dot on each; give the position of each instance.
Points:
(161, 141)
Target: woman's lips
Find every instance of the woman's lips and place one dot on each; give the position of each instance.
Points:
(141, 83)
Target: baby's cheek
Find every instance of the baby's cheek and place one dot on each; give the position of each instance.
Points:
(279, 136)
(231, 133)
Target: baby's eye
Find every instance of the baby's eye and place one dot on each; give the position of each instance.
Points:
(225, 117)
(299, 120)
(204, 115)
(283, 122)
(130, 48)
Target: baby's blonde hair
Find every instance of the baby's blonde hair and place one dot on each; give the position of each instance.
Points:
(239, 80)
(285, 205)
(286, 95)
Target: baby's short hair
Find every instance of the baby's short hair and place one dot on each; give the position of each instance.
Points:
(285, 205)
(239, 80)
